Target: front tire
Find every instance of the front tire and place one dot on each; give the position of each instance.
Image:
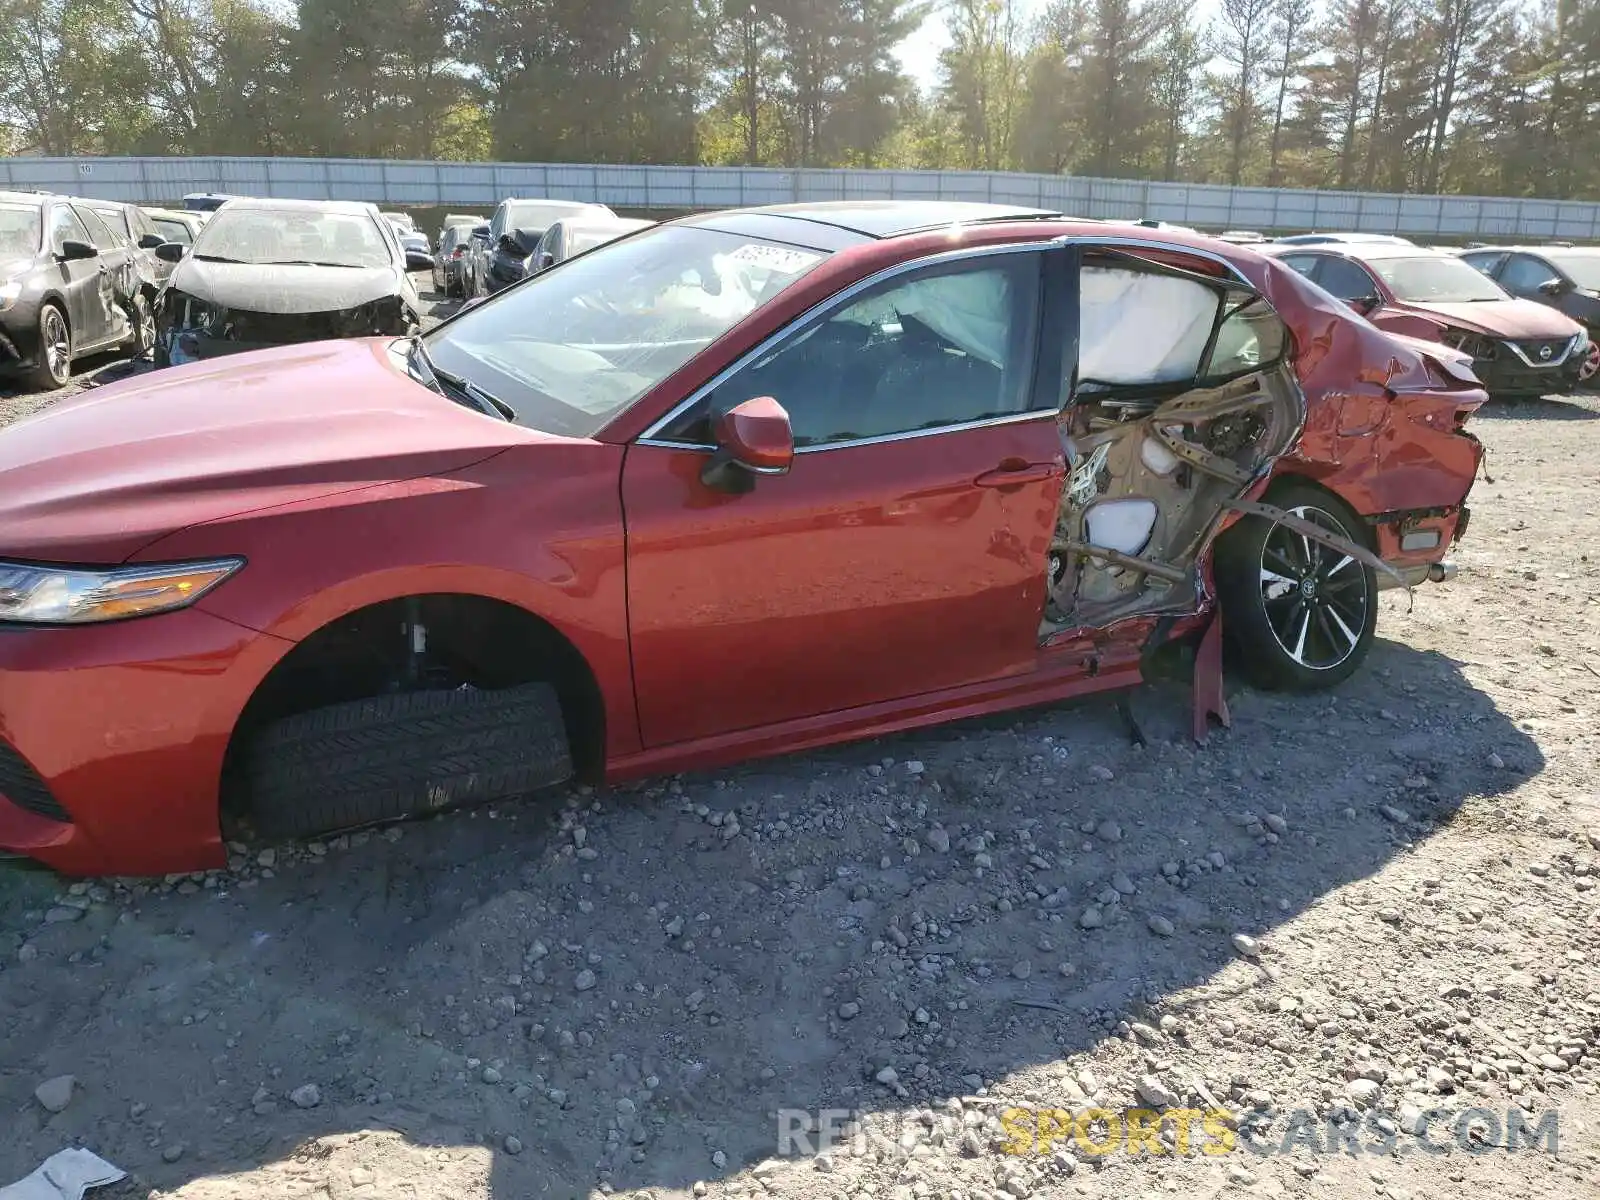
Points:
(1298, 616)
(404, 755)
(52, 366)
(1589, 372)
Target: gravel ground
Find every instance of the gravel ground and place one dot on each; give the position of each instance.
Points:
(1360, 927)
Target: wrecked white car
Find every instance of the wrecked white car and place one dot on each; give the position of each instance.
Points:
(277, 272)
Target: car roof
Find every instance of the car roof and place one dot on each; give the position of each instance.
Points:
(30, 198)
(1336, 239)
(1363, 251)
(895, 218)
(351, 208)
(1544, 248)
(168, 214)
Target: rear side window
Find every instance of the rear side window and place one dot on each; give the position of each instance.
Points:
(1141, 326)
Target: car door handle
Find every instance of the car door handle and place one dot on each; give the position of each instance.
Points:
(1016, 474)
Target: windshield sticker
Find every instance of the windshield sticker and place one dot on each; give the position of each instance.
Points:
(773, 258)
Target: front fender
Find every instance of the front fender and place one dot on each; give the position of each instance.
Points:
(533, 528)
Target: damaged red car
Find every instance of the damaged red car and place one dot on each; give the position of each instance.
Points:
(1519, 349)
(742, 483)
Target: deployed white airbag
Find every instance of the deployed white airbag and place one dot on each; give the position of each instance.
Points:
(971, 310)
(1138, 327)
(1122, 525)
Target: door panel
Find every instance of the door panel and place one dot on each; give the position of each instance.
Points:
(870, 572)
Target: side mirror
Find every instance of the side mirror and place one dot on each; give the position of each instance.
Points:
(76, 251)
(1366, 305)
(546, 260)
(753, 438)
(171, 252)
(151, 241)
(1554, 287)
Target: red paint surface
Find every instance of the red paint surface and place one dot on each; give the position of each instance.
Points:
(871, 589)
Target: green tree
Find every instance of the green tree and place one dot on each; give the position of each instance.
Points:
(982, 78)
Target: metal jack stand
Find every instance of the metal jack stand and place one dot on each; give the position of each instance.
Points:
(1209, 700)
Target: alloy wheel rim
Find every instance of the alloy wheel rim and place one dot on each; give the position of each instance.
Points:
(57, 347)
(1316, 598)
(147, 327)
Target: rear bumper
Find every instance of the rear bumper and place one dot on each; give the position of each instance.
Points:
(112, 739)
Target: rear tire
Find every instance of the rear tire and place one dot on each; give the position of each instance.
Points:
(142, 321)
(411, 754)
(1297, 620)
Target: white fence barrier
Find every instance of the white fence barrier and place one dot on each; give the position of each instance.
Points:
(481, 185)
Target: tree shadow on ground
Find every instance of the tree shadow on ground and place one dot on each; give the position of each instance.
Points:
(634, 1002)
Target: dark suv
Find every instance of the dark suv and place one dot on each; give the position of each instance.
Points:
(515, 229)
(65, 288)
(1564, 277)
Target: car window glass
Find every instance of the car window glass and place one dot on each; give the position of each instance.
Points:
(19, 230)
(1306, 264)
(942, 347)
(1250, 337)
(1525, 273)
(99, 231)
(1486, 261)
(65, 227)
(1138, 326)
(173, 231)
(1346, 280)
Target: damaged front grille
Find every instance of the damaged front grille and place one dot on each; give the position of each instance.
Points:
(195, 330)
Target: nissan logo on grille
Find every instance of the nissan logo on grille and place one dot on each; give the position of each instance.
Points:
(1545, 351)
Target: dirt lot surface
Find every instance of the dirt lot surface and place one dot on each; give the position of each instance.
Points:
(946, 934)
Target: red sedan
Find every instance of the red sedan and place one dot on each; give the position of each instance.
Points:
(742, 483)
(1518, 348)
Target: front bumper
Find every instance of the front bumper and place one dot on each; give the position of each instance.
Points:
(1509, 371)
(112, 739)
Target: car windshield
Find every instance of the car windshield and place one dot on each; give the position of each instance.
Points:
(263, 236)
(19, 231)
(1582, 269)
(570, 348)
(1442, 280)
(532, 215)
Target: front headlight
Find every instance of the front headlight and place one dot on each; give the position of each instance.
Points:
(10, 293)
(53, 595)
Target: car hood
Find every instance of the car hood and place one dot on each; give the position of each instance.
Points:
(1501, 318)
(284, 289)
(99, 476)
